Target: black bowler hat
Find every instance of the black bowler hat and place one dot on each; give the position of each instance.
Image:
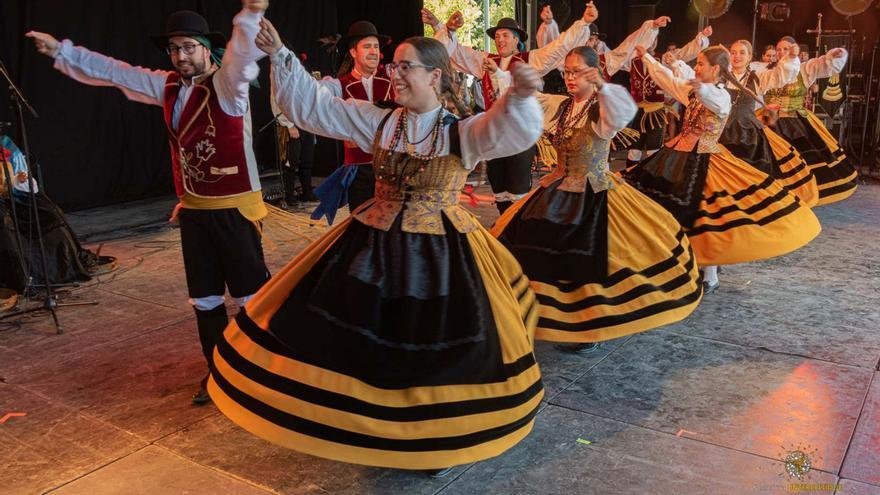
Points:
(190, 24)
(508, 23)
(594, 31)
(360, 30)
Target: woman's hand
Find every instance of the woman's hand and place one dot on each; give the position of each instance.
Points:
(268, 38)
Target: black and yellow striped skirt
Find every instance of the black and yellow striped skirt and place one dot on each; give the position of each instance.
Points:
(791, 170)
(836, 178)
(603, 265)
(731, 211)
(386, 348)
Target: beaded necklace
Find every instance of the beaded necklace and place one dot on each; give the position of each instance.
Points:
(565, 124)
(438, 139)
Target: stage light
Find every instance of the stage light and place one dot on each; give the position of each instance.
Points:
(775, 11)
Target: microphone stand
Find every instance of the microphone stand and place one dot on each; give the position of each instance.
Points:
(19, 103)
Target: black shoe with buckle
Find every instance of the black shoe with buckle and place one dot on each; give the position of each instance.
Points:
(710, 288)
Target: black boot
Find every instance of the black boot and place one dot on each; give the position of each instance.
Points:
(211, 324)
(503, 206)
(584, 348)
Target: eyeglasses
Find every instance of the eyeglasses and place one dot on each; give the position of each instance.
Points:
(404, 67)
(188, 49)
(573, 73)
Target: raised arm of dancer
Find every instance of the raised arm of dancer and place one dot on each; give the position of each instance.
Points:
(92, 68)
(464, 58)
(690, 51)
(713, 97)
(552, 55)
(783, 73)
(311, 106)
(824, 66)
(621, 57)
(239, 65)
(511, 126)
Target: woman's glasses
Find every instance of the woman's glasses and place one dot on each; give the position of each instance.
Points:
(403, 68)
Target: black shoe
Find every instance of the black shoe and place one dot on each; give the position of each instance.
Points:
(578, 348)
(439, 473)
(201, 397)
(709, 288)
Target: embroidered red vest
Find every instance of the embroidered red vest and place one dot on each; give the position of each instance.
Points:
(352, 87)
(641, 86)
(211, 156)
(486, 84)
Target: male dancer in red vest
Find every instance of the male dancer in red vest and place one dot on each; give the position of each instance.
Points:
(510, 177)
(215, 173)
(361, 77)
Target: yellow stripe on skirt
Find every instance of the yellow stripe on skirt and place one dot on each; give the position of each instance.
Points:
(328, 414)
(834, 147)
(796, 175)
(744, 215)
(653, 278)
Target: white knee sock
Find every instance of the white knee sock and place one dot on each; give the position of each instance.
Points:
(710, 274)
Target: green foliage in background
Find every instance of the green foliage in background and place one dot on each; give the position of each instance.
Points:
(472, 32)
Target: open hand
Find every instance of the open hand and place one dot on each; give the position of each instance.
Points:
(45, 43)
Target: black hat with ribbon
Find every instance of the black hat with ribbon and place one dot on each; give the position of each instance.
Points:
(508, 23)
(360, 30)
(190, 24)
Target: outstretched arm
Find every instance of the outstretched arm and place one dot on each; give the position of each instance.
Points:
(783, 73)
(824, 66)
(621, 57)
(464, 58)
(511, 126)
(311, 106)
(88, 67)
(553, 54)
(713, 97)
(690, 51)
(239, 65)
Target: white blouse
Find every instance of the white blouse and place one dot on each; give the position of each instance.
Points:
(714, 97)
(616, 109)
(511, 126)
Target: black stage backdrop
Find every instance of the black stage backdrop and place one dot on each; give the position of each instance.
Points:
(94, 146)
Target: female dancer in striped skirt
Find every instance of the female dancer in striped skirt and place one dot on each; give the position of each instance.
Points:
(835, 175)
(731, 211)
(403, 337)
(604, 259)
